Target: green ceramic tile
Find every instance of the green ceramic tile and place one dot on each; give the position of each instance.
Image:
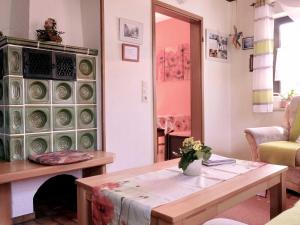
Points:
(87, 140)
(14, 123)
(2, 119)
(14, 146)
(86, 67)
(2, 150)
(63, 92)
(37, 91)
(63, 118)
(64, 141)
(37, 119)
(86, 92)
(13, 61)
(37, 144)
(13, 90)
(1, 93)
(86, 117)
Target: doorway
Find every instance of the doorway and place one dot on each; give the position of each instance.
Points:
(177, 78)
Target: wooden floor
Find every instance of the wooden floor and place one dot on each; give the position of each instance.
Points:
(53, 220)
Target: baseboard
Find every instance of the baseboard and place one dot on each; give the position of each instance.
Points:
(24, 218)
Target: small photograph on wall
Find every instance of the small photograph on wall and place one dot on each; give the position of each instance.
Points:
(131, 31)
(248, 43)
(216, 46)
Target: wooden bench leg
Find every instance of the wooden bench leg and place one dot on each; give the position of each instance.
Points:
(82, 207)
(278, 197)
(5, 204)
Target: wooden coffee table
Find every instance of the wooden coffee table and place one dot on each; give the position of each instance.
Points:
(200, 206)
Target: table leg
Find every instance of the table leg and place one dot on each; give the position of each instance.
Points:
(93, 171)
(5, 204)
(278, 197)
(82, 206)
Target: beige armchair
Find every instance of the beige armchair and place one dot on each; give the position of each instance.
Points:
(279, 139)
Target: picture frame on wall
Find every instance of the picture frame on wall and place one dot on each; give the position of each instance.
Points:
(217, 46)
(131, 31)
(247, 43)
(130, 53)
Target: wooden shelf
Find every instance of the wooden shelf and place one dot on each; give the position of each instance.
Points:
(20, 170)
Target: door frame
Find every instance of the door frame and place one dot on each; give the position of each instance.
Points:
(196, 43)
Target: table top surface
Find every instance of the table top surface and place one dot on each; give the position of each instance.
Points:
(24, 169)
(194, 202)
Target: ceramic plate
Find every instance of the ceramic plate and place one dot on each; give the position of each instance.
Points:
(39, 145)
(64, 143)
(87, 140)
(38, 119)
(86, 92)
(86, 116)
(37, 90)
(86, 67)
(64, 117)
(63, 91)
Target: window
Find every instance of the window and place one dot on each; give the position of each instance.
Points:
(287, 63)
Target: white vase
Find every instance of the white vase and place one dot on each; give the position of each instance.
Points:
(194, 168)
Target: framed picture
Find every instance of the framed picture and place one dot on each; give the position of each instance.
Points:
(131, 31)
(247, 43)
(130, 53)
(216, 46)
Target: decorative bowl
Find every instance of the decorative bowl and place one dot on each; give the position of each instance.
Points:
(38, 119)
(38, 145)
(63, 91)
(63, 117)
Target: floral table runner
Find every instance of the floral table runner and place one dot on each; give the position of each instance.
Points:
(129, 202)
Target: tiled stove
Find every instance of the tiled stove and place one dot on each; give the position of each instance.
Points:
(48, 96)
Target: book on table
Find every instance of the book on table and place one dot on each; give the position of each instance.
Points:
(216, 160)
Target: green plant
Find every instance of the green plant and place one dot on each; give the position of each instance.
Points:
(192, 150)
(289, 95)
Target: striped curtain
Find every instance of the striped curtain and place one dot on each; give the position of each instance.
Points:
(263, 57)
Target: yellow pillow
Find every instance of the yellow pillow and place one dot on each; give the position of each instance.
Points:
(295, 130)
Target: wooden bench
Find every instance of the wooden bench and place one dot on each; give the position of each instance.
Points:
(22, 170)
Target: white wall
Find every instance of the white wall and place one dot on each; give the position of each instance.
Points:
(129, 126)
(241, 87)
(67, 14)
(14, 17)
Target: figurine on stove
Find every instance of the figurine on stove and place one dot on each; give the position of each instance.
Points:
(49, 33)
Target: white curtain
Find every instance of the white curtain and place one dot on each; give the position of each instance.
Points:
(263, 57)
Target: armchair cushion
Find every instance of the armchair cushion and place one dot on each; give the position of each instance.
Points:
(295, 129)
(288, 217)
(266, 134)
(279, 152)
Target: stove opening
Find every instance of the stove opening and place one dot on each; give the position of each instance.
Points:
(55, 197)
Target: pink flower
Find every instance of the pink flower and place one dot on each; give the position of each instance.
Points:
(110, 185)
(102, 208)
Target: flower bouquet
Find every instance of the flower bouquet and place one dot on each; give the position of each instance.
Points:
(192, 153)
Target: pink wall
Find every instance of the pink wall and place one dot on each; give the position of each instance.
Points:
(173, 97)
